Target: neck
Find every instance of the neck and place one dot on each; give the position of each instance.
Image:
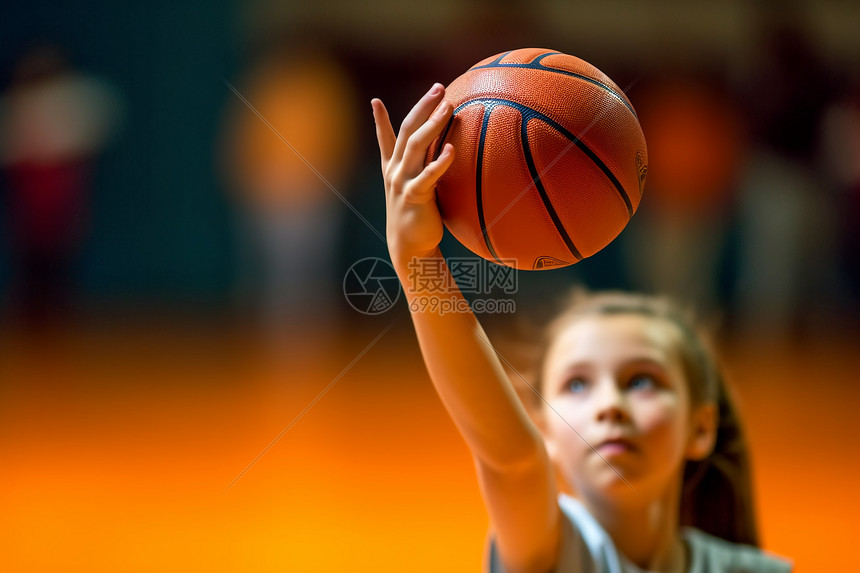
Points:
(644, 530)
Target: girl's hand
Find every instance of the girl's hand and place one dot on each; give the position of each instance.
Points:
(414, 224)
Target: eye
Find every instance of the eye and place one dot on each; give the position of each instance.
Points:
(643, 382)
(576, 385)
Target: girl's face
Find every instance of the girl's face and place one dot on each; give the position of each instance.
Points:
(621, 377)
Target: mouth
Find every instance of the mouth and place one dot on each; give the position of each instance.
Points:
(616, 446)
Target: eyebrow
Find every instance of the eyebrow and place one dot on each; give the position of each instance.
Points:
(649, 360)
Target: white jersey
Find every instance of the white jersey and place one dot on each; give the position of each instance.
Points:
(587, 548)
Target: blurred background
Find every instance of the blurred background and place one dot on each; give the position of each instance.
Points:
(172, 272)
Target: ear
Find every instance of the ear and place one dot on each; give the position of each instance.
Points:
(703, 432)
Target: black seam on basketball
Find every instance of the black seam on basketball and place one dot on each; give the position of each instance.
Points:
(559, 226)
(536, 65)
(523, 109)
(478, 172)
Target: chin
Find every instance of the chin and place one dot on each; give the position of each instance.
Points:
(610, 485)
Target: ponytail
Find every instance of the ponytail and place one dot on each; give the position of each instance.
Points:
(717, 492)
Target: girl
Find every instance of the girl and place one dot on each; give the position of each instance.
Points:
(628, 395)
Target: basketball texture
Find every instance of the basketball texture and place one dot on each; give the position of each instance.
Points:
(550, 160)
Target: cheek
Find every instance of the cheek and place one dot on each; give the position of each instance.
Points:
(661, 422)
(565, 422)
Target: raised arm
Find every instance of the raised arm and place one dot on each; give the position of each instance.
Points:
(513, 468)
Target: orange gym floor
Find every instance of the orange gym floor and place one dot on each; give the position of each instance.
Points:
(119, 441)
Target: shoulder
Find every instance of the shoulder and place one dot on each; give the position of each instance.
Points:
(573, 555)
(710, 553)
(585, 546)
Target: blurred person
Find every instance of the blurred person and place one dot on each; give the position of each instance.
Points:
(695, 144)
(290, 218)
(54, 120)
(785, 211)
(841, 159)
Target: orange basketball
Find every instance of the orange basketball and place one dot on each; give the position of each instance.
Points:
(550, 160)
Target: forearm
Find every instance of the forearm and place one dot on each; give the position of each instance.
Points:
(466, 371)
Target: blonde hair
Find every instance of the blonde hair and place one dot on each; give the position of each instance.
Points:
(717, 491)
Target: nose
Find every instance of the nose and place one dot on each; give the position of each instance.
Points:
(610, 404)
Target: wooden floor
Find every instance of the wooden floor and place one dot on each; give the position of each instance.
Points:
(119, 444)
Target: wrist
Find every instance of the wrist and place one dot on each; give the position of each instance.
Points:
(404, 261)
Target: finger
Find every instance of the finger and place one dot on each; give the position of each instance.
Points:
(423, 186)
(416, 118)
(415, 154)
(384, 132)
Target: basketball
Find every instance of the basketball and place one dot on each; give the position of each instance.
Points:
(550, 160)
